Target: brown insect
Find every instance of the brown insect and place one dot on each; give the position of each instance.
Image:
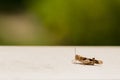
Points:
(87, 61)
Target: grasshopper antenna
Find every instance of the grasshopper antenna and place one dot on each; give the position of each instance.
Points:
(75, 51)
(74, 61)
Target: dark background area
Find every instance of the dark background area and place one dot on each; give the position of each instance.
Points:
(60, 22)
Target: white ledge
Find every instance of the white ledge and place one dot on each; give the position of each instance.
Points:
(36, 63)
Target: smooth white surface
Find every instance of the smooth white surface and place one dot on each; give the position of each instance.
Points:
(38, 63)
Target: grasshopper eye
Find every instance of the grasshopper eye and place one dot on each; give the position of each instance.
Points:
(84, 58)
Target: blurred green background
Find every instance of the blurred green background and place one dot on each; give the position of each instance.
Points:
(60, 22)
